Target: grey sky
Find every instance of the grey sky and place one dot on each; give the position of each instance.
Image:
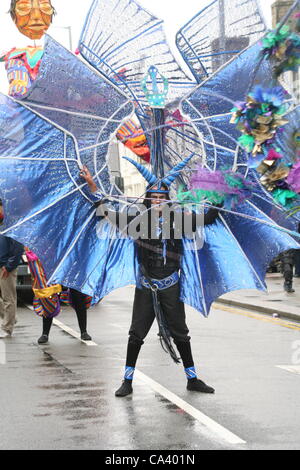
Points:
(175, 13)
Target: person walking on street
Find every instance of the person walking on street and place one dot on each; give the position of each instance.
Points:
(79, 302)
(10, 256)
(297, 263)
(287, 269)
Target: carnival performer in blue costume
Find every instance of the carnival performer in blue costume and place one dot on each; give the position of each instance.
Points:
(157, 294)
(68, 123)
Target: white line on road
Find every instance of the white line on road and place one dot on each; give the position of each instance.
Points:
(67, 329)
(72, 332)
(210, 424)
(293, 369)
(2, 353)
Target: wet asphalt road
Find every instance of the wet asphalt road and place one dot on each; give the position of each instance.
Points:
(61, 396)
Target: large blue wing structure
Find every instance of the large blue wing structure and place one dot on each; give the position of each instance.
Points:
(217, 33)
(76, 98)
(203, 125)
(209, 108)
(236, 254)
(212, 38)
(249, 239)
(122, 40)
(65, 121)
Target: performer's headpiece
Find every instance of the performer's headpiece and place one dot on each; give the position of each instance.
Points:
(160, 184)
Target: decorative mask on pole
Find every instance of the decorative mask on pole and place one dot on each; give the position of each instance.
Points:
(32, 17)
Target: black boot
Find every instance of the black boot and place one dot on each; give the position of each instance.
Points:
(85, 336)
(196, 385)
(125, 389)
(43, 339)
(288, 287)
(47, 323)
(133, 350)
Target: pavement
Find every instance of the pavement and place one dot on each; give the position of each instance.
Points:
(274, 302)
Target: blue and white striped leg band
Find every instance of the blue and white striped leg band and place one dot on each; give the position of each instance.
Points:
(129, 371)
(191, 373)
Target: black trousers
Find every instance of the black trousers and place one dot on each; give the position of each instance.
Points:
(143, 317)
(297, 263)
(78, 301)
(287, 265)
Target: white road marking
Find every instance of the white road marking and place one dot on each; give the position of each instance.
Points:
(116, 325)
(212, 425)
(293, 369)
(72, 332)
(218, 430)
(2, 353)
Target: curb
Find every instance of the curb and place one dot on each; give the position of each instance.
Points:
(259, 309)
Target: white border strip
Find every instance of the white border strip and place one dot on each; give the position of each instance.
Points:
(294, 369)
(67, 329)
(216, 428)
(72, 332)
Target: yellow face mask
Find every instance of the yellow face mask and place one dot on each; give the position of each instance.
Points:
(33, 17)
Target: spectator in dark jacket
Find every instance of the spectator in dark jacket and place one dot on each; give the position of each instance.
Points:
(10, 256)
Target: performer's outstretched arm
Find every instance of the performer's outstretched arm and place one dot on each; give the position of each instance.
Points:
(99, 199)
(94, 193)
(192, 220)
(211, 216)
